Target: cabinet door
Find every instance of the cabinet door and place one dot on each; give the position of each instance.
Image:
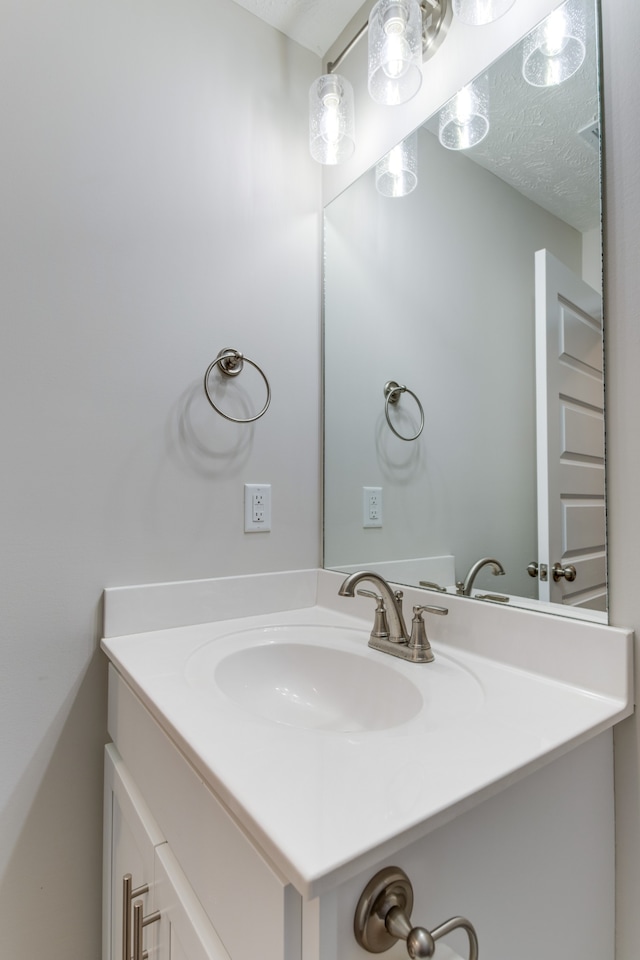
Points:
(130, 836)
(185, 930)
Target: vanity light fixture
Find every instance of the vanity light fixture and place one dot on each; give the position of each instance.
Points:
(464, 120)
(331, 119)
(479, 12)
(402, 35)
(556, 48)
(397, 172)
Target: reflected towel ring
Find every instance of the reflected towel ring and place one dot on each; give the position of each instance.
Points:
(231, 362)
(392, 392)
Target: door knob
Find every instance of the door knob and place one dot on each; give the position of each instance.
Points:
(569, 573)
(535, 570)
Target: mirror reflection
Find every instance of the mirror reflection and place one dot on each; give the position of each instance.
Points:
(463, 341)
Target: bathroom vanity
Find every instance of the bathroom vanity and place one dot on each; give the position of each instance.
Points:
(266, 763)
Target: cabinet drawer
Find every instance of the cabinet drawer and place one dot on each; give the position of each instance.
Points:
(254, 910)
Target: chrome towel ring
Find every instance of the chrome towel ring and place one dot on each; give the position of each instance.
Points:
(230, 362)
(383, 916)
(392, 392)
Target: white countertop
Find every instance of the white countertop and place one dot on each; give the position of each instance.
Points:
(323, 803)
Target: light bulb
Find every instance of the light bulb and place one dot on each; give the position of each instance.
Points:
(556, 49)
(554, 34)
(331, 124)
(463, 106)
(395, 160)
(395, 51)
(396, 57)
(397, 172)
(479, 12)
(464, 120)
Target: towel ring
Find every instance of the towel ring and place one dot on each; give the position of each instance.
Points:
(231, 362)
(392, 392)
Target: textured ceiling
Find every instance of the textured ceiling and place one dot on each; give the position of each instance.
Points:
(541, 140)
(314, 24)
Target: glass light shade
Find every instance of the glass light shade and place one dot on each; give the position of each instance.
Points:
(464, 120)
(556, 49)
(331, 119)
(397, 173)
(479, 12)
(395, 51)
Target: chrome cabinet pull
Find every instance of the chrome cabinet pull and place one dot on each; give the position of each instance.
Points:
(383, 916)
(126, 916)
(139, 923)
(128, 895)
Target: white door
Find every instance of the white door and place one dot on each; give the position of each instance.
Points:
(570, 436)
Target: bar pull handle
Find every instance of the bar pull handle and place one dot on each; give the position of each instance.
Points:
(139, 923)
(128, 895)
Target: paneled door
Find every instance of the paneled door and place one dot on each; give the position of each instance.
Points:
(570, 437)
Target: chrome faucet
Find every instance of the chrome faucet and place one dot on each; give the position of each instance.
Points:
(397, 642)
(464, 588)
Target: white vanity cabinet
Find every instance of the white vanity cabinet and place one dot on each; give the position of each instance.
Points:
(257, 836)
(541, 849)
(139, 868)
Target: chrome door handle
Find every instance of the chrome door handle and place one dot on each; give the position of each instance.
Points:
(534, 570)
(569, 573)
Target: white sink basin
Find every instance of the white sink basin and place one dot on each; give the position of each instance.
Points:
(311, 686)
(326, 678)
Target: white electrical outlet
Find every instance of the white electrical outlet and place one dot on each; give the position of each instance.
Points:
(372, 506)
(257, 507)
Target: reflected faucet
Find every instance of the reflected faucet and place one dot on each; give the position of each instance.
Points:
(463, 589)
(395, 617)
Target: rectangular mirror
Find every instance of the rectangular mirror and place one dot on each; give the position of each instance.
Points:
(478, 294)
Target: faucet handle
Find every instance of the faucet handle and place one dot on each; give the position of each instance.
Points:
(370, 593)
(430, 585)
(426, 608)
(419, 642)
(380, 623)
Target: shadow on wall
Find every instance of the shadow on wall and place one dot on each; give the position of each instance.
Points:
(202, 439)
(59, 843)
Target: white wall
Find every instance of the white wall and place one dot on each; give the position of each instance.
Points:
(436, 291)
(621, 28)
(158, 203)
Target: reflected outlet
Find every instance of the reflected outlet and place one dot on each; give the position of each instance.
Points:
(372, 506)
